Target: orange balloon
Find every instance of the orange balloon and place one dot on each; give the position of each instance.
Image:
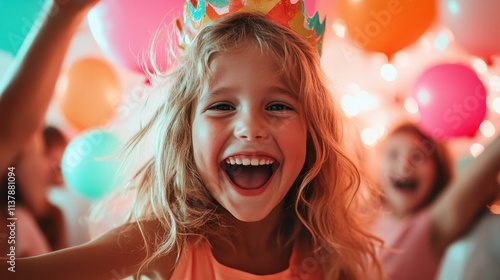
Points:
(386, 26)
(92, 93)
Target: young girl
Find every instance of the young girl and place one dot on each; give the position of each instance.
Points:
(426, 209)
(249, 179)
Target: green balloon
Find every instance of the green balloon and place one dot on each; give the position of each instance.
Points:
(17, 17)
(90, 164)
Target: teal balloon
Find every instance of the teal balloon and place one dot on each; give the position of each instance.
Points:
(17, 17)
(90, 163)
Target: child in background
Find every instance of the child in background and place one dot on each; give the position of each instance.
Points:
(249, 179)
(33, 153)
(427, 210)
(40, 224)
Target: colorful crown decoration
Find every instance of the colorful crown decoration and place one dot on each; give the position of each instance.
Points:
(199, 13)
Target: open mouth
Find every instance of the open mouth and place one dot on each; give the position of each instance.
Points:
(405, 184)
(249, 172)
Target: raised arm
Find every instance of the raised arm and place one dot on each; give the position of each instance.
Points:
(457, 208)
(27, 88)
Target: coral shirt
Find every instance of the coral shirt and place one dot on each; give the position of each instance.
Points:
(199, 263)
(407, 254)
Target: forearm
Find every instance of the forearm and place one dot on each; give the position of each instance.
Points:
(477, 184)
(27, 89)
(71, 263)
(458, 207)
(483, 173)
(114, 255)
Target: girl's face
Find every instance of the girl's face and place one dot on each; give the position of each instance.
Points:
(38, 169)
(249, 134)
(408, 172)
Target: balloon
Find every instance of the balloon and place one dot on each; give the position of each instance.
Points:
(474, 24)
(75, 209)
(310, 6)
(386, 26)
(124, 29)
(89, 165)
(17, 18)
(451, 100)
(91, 93)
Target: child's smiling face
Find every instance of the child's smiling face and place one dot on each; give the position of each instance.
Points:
(408, 171)
(249, 134)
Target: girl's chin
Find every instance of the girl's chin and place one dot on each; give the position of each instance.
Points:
(250, 219)
(249, 214)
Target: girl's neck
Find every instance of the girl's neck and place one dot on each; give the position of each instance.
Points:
(255, 236)
(394, 212)
(254, 246)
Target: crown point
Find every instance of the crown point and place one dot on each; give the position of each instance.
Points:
(289, 13)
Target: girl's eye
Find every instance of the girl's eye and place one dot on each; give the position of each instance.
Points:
(221, 107)
(278, 107)
(417, 157)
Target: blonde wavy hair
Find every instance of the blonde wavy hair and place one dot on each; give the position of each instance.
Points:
(323, 209)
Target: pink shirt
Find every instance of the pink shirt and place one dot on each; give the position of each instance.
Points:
(31, 241)
(408, 254)
(199, 263)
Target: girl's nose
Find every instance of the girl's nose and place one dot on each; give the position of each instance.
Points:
(406, 165)
(251, 126)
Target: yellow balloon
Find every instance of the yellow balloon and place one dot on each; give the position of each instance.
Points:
(91, 94)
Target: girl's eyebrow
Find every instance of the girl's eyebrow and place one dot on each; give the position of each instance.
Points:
(218, 91)
(276, 89)
(283, 90)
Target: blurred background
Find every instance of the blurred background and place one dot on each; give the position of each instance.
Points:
(435, 62)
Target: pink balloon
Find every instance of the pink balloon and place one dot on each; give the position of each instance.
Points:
(451, 101)
(124, 29)
(310, 6)
(474, 23)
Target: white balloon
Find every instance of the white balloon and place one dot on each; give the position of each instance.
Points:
(76, 210)
(6, 59)
(476, 255)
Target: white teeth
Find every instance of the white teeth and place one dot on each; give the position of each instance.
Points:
(246, 161)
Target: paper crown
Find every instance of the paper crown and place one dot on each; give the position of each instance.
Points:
(199, 13)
